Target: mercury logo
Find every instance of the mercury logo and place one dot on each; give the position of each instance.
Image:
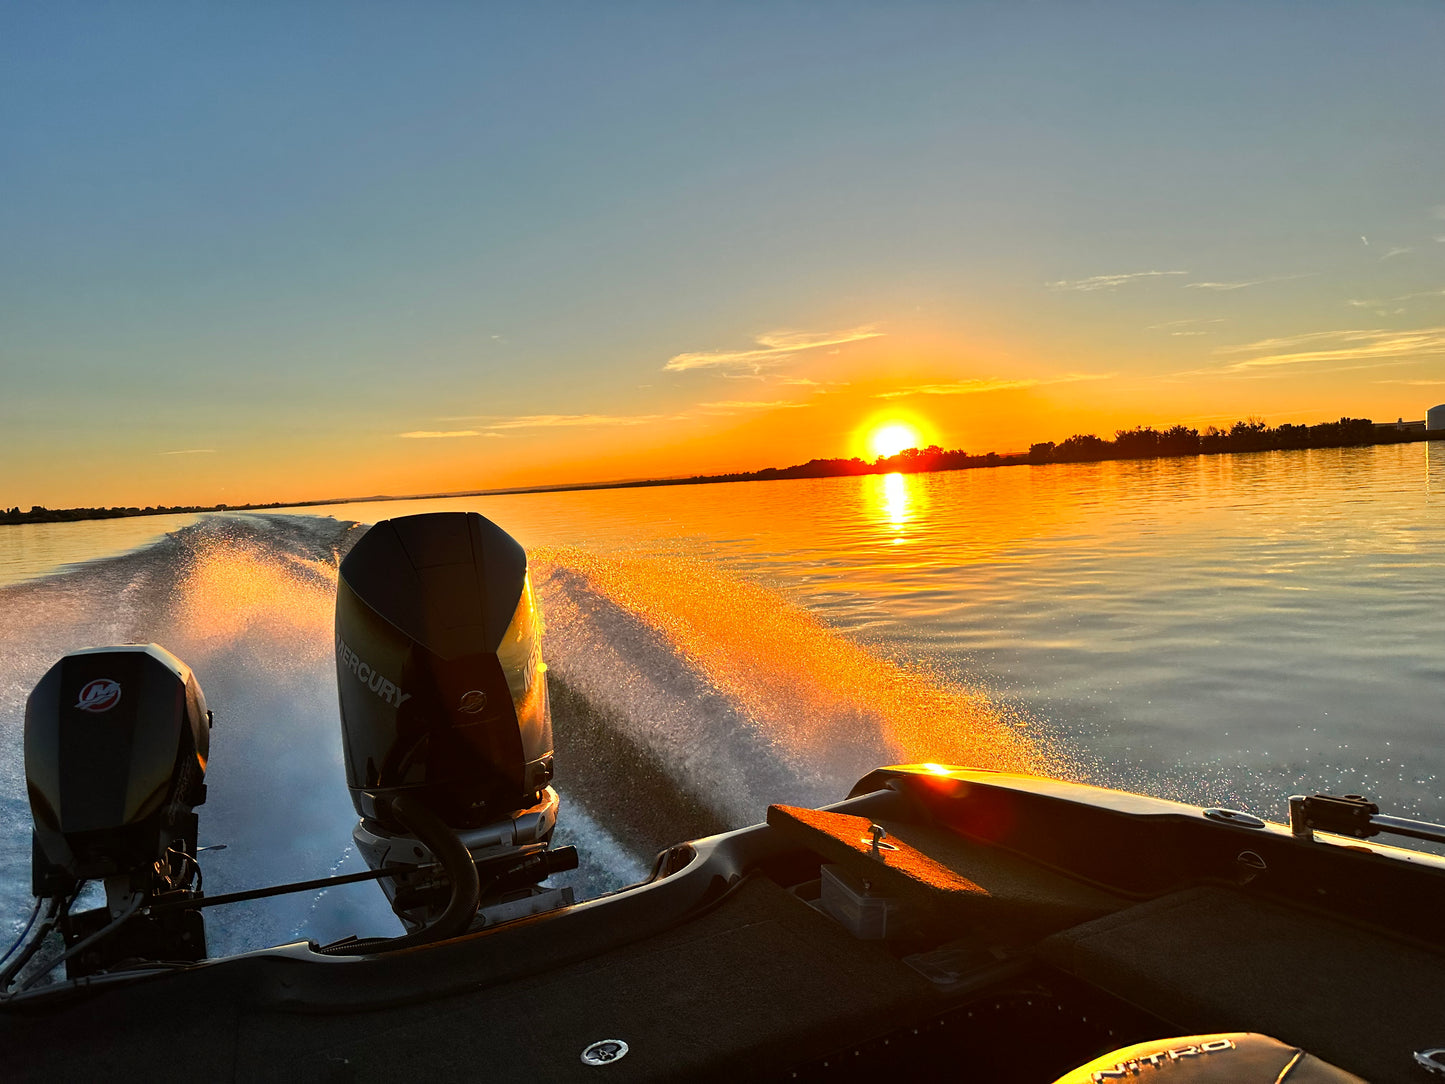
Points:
(102, 694)
(368, 675)
(473, 702)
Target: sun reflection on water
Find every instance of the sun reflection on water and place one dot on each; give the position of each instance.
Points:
(895, 501)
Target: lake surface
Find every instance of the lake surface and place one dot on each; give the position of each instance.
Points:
(1221, 630)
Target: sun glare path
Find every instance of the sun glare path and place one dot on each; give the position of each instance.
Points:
(892, 439)
(896, 505)
(816, 691)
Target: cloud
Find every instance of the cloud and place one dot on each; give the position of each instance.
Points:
(1414, 383)
(734, 406)
(1189, 374)
(1401, 250)
(1382, 306)
(1107, 282)
(493, 426)
(1330, 346)
(1167, 324)
(440, 434)
(190, 451)
(819, 387)
(592, 421)
(773, 348)
(1265, 374)
(979, 386)
(1222, 286)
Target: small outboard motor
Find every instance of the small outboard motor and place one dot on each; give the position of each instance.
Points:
(116, 741)
(444, 711)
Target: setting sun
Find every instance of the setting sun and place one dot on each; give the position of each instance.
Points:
(891, 439)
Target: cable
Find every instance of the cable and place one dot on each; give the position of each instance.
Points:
(16, 965)
(195, 903)
(33, 915)
(81, 946)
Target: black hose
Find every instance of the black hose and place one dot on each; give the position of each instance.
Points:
(17, 964)
(34, 914)
(80, 946)
(456, 862)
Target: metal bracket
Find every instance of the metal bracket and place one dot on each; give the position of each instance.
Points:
(1353, 815)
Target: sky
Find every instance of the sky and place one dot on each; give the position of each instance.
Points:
(265, 251)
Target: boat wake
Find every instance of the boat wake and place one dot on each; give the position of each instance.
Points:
(684, 701)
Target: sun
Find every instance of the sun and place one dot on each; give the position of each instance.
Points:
(890, 439)
(891, 431)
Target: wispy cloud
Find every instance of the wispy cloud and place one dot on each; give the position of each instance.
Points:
(1167, 325)
(1108, 282)
(443, 434)
(1373, 345)
(773, 348)
(735, 406)
(1223, 286)
(1400, 250)
(1415, 383)
(1369, 366)
(981, 385)
(1391, 306)
(492, 425)
(190, 451)
(590, 421)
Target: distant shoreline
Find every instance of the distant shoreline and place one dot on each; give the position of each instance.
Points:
(1142, 442)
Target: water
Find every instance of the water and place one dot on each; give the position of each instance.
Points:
(1224, 630)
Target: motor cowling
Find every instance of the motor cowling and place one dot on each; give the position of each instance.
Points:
(116, 742)
(439, 671)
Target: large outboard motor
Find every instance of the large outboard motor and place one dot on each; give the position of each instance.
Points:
(116, 741)
(444, 701)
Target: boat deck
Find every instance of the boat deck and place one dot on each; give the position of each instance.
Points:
(999, 964)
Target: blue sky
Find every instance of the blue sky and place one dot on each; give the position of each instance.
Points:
(248, 248)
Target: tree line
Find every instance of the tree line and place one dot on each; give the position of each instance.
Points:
(40, 514)
(1251, 435)
(1141, 442)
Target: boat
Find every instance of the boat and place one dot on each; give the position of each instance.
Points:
(939, 922)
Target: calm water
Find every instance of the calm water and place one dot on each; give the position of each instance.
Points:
(1223, 630)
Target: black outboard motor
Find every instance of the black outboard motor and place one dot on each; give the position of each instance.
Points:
(116, 741)
(444, 709)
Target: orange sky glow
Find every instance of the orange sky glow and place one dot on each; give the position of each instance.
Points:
(241, 274)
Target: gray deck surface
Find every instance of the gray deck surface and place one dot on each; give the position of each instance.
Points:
(757, 982)
(1213, 959)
